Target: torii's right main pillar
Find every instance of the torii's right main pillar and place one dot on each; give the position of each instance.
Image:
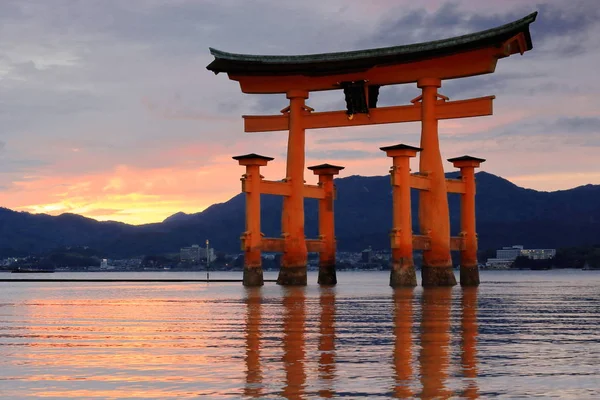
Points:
(434, 215)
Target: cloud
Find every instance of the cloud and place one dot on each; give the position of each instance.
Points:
(578, 124)
(94, 91)
(454, 18)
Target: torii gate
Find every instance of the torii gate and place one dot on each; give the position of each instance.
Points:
(360, 74)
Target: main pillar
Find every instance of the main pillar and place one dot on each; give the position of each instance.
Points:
(434, 356)
(403, 267)
(327, 275)
(293, 261)
(252, 237)
(434, 216)
(293, 343)
(469, 271)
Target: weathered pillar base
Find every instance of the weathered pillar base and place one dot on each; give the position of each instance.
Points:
(253, 276)
(403, 275)
(327, 275)
(469, 275)
(292, 276)
(437, 276)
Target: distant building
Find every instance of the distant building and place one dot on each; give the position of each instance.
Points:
(367, 255)
(539, 254)
(507, 255)
(195, 254)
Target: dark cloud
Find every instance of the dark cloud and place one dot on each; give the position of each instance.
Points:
(23, 165)
(269, 103)
(570, 19)
(578, 124)
(536, 134)
(570, 22)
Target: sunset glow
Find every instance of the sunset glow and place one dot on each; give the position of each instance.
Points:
(123, 122)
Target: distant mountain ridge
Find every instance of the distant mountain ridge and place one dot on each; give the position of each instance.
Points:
(506, 214)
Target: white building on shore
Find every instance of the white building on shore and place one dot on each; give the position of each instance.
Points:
(195, 253)
(507, 255)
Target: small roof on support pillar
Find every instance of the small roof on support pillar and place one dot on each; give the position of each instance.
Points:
(466, 161)
(322, 166)
(400, 146)
(253, 159)
(466, 158)
(401, 150)
(326, 169)
(252, 156)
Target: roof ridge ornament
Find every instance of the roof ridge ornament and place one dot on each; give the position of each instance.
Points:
(439, 96)
(306, 108)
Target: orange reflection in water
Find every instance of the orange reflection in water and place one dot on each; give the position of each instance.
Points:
(435, 341)
(403, 319)
(469, 341)
(254, 377)
(327, 341)
(294, 320)
(117, 345)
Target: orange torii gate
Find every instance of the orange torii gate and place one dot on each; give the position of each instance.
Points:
(360, 74)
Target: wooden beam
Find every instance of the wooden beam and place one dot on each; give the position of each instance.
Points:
(421, 242)
(385, 115)
(420, 182)
(282, 188)
(314, 192)
(272, 245)
(276, 188)
(277, 245)
(455, 186)
(456, 243)
(266, 123)
(477, 107)
(314, 245)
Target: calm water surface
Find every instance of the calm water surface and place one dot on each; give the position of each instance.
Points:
(521, 334)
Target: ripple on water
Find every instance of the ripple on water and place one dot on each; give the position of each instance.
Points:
(519, 335)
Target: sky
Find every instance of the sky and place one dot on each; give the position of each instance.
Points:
(107, 109)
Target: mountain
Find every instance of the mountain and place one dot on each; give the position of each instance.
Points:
(506, 214)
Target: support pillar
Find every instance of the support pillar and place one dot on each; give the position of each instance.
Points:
(403, 343)
(327, 274)
(434, 215)
(293, 261)
(252, 237)
(403, 268)
(469, 271)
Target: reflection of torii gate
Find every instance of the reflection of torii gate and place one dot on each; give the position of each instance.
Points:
(360, 74)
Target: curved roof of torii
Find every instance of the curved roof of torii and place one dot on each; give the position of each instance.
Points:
(354, 61)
